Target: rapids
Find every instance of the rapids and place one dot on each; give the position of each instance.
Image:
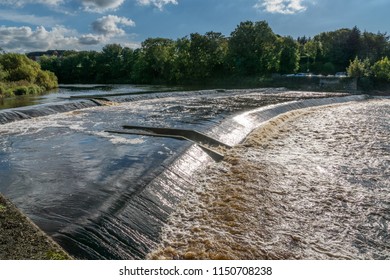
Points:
(308, 184)
(107, 196)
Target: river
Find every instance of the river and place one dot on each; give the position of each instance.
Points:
(312, 184)
(107, 196)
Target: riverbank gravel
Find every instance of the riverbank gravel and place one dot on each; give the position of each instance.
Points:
(20, 239)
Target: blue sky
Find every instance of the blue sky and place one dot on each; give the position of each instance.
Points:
(31, 25)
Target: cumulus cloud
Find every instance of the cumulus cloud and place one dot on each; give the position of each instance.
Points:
(101, 6)
(157, 3)
(109, 25)
(23, 39)
(90, 39)
(281, 6)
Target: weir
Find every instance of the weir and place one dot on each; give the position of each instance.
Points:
(103, 197)
(202, 140)
(12, 115)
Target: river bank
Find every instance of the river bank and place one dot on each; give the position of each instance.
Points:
(20, 239)
(309, 184)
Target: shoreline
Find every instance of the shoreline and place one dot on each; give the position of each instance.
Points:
(21, 239)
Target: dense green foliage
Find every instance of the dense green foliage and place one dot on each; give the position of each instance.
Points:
(252, 50)
(333, 51)
(381, 69)
(359, 68)
(20, 75)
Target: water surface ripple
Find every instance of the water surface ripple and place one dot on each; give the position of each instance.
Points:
(310, 184)
(107, 196)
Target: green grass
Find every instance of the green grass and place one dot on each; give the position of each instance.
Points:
(53, 255)
(2, 208)
(19, 88)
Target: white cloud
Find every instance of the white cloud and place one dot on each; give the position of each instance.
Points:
(281, 6)
(109, 25)
(157, 3)
(101, 6)
(91, 39)
(24, 39)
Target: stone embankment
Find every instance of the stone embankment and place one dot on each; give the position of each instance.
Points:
(21, 239)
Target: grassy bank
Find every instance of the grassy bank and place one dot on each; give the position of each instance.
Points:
(19, 88)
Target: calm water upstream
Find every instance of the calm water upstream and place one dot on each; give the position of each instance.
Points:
(65, 91)
(107, 196)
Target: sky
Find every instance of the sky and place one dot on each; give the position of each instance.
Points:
(40, 25)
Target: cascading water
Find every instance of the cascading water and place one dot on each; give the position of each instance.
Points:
(107, 196)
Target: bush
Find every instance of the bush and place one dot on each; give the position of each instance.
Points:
(359, 68)
(381, 69)
(46, 80)
(20, 75)
(3, 73)
(21, 90)
(328, 68)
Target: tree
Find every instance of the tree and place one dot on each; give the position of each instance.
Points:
(88, 67)
(21, 75)
(3, 73)
(109, 63)
(353, 42)
(289, 55)
(359, 68)
(181, 71)
(207, 54)
(381, 69)
(311, 54)
(50, 63)
(335, 48)
(19, 67)
(375, 46)
(253, 49)
(127, 67)
(47, 80)
(155, 60)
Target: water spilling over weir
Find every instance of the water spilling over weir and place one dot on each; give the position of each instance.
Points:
(102, 195)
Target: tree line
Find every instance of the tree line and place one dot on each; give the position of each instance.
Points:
(252, 49)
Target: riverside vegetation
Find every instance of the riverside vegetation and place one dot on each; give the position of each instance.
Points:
(249, 57)
(20, 75)
(252, 54)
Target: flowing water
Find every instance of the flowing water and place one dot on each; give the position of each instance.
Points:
(65, 91)
(311, 184)
(107, 196)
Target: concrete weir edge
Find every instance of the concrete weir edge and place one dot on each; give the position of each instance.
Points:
(178, 175)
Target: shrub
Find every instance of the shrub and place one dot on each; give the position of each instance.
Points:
(381, 69)
(328, 68)
(359, 68)
(20, 75)
(21, 90)
(46, 80)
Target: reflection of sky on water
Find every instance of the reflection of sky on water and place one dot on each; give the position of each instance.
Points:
(86, 187)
